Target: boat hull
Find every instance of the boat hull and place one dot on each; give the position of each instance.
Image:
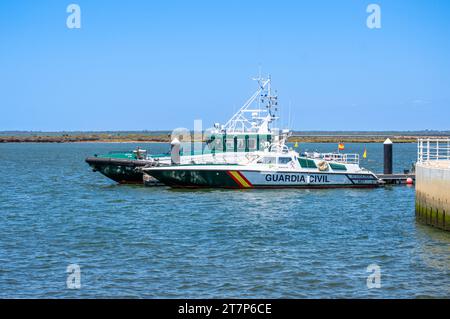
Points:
(122, 171)
(242, 179)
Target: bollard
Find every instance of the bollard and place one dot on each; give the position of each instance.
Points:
(387, 156)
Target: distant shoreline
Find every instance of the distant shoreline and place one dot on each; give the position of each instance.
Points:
(164, 138)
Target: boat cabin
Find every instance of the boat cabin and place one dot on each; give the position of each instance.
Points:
(238, 142)
(291, 160)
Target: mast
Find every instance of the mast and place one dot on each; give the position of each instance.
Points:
(257, 113)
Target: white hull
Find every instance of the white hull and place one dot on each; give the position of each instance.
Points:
(296, 179)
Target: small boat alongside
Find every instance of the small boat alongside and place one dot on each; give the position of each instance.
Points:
(121, 166)
(276, 168)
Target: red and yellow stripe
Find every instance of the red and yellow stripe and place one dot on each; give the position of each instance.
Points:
(240, 179)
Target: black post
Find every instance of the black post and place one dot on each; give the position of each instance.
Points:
(388, 156)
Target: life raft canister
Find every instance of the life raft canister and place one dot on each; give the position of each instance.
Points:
(323, 166)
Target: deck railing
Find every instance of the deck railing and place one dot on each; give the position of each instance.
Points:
(347, 158)
(433, 149)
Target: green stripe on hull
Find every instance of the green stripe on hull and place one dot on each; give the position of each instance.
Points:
(222, 179)
(200, 178)
(119, 173)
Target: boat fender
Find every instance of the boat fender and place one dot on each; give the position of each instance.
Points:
(323, 166)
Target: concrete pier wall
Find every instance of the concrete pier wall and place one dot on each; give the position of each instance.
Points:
(433, 193)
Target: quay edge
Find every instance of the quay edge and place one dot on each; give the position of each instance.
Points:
(432, 194)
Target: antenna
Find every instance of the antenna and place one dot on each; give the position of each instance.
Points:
(256, 119)
(292, 122)
(289, 118)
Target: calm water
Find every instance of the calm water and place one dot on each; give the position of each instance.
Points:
(132, 241)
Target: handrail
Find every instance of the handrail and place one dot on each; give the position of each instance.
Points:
(433, 149)
(347, 158)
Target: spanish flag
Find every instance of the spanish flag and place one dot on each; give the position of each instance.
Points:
(341, 146)
(365, 153)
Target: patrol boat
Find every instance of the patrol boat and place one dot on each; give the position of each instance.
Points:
(277, 167)
(248, 130)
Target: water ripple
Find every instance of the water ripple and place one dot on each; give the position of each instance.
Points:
(135, 242)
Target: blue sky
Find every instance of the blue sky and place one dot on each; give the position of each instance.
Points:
(137, 65)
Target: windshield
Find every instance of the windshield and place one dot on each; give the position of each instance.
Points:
(267, 160)
(284, 160)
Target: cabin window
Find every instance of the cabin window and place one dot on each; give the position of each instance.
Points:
(284, 160)
(230, 144)
(267, 160)
(338, 167)
(307, 163)
(241, 144)
(215, 144)
(252, 144)
(218, 144)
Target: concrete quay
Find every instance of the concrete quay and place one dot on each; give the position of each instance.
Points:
(433, 193)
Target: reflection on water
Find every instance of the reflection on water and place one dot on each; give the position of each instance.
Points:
(434, 248)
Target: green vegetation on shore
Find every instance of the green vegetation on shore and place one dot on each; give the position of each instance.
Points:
(77, 138)
(164, 137)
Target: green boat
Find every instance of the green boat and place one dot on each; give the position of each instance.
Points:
(120, 166)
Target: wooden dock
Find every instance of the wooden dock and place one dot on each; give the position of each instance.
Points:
(396, 179)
